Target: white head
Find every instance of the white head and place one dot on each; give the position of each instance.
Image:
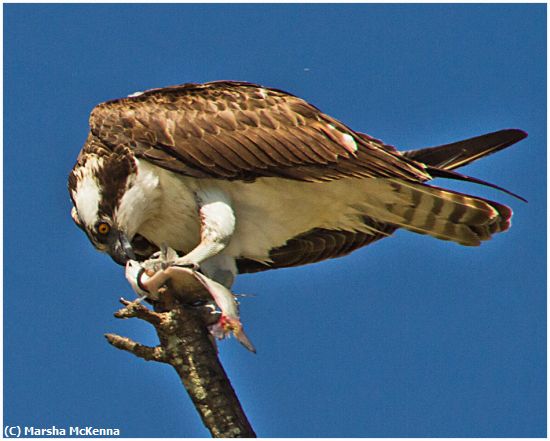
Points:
(112, 197)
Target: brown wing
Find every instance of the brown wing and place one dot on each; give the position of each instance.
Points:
(234, 130)
(317, 245)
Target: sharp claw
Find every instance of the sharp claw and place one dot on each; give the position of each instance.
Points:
(140, 284)
(157, 269)
(193, 266)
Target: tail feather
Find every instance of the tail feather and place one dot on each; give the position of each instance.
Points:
(462, 218)
(458, 154)
(443, 159)
(438, 212)
(449, 174)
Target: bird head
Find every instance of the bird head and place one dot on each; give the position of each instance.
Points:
(107, 238)
(108, 202)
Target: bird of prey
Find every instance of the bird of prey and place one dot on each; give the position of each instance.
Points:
(241, 178)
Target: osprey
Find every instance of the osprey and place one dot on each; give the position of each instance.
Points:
(242, 178)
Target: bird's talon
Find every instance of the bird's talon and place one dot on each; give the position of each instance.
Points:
(140, 283)
(191, 266)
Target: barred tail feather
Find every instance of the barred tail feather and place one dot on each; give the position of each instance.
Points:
(441, 213)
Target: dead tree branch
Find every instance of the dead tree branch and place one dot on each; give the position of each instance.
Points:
(186, 344)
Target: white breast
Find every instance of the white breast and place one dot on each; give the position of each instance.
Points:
(268, 212)
(175, 221)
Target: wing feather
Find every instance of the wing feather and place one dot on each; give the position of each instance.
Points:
(230, 161)
(304, 148)
(236, 130)
(247, 138)
(252, 156)
(317, 245)
(227, 148)
(275, 148)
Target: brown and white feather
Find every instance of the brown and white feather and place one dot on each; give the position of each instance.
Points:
(305, 186)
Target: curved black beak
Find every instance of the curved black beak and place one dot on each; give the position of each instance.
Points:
(121, 250)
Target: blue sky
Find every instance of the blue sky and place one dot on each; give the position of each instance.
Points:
(408, 337)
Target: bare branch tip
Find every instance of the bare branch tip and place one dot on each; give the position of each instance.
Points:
(146, 352)
(137, 309)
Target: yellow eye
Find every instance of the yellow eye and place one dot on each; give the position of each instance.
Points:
(103, 228)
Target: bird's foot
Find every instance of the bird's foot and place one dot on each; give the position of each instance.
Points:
(149, 279)
(137, 274)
